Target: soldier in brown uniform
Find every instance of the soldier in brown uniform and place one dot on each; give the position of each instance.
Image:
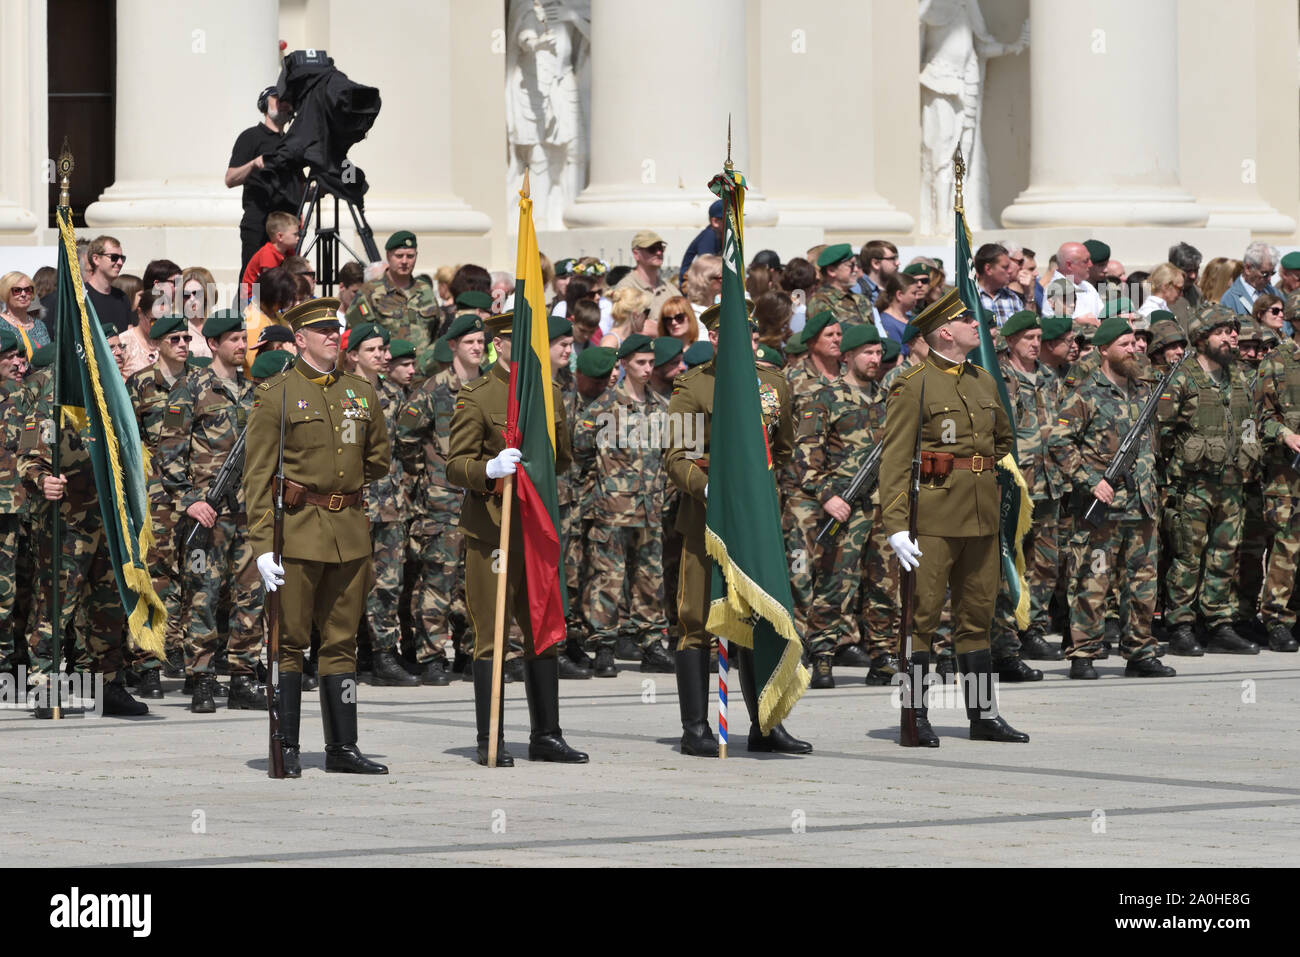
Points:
(688, 469)
(478, 461)
(335, 442)
(964, 432)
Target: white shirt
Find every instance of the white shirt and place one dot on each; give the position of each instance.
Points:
(1087, 300)
(1152, 304)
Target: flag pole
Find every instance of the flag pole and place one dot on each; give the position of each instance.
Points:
(724, 663)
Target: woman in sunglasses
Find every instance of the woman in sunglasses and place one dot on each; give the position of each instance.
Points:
(198, 298)
(1268, 311)
(18, 293)
(678, 319)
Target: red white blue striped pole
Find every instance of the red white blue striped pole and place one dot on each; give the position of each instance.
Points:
(722, 697)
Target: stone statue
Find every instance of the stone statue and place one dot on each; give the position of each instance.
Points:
(548, 84)
(955, 45)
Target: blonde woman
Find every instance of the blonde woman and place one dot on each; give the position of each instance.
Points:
(1220, 273)
(18, 293)
(630, 308)
(199, 298)
(1166, 283)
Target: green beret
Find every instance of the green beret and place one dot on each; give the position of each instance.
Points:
(110, 331)
(8, 339)
(166, 326)
(403, 238)
(596, 362)
(1022, 320)
(698, 353)
(859, 334)
(1208, 317)
(910, 332)
(198, 362)
(815, 324)
(833, 255)
(892, 350)
(769, 355)
(634, 344)
(222, 321)
(1110, 330)
(558, 327)
(1055, 327)
(271, 361)
(442, 351)
(464, 324)
(475, 300)
(365, 330)
(44, 356)
(401, 349)
(667, 348)
(1166, 332)
(1116, 307)
(1291, 260)
(917, 269)
(1098, 251)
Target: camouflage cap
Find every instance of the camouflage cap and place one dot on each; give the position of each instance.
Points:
(271, 361)
(1208, 317)
(859, 334)
(1166, 332)
(891, 351)
(833, 255)
(221, 322)
(318, 314)
(1082, 330)
(464, 324)
(667, 348)
(166, 326)
(401, 349)
(402, 239)
(1251, 331)
(700, 352)
(557, 327)
(597, 362)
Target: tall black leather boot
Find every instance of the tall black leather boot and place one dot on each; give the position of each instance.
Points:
(778, 740)
(542, 684)
(977, 681)
(289, 704)
(925, 736)
(482, 669)
(339, 715)
(693, 699)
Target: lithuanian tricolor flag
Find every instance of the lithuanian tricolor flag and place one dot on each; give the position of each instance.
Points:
(530, 427)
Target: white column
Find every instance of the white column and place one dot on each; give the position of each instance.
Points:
(816, 143)
(1098, 156)
(1223, 169)
(23, 96)
(187, 83)
(664, 79)
(407, 155)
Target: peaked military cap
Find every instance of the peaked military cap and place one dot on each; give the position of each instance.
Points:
(316, 314)
(709, 317)
(947, 308)
(499, 325)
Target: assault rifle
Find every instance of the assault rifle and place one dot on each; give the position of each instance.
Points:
(223, 491)
(862, 484)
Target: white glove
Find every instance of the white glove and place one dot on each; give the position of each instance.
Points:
(272, 574)
(907, 550)
(504, 464)
(706, 490)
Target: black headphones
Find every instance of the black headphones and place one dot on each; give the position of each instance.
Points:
(262, 98)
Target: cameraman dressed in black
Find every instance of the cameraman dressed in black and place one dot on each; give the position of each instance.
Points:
(266, 190)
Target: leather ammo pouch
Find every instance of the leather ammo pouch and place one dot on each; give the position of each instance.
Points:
(936, 465)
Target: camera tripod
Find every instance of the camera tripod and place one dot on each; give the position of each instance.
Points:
(326, 239)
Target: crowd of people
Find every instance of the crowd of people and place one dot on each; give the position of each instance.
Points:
(1198, 544)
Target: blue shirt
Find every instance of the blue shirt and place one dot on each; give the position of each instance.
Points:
(705, 243)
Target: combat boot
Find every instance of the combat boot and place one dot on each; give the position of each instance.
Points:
(289, 706)
(546, 742)
(1082, 669)
(693, 701)
(174, 664)
(625, 649)
(338, 708)
(118, 702)
(387, 672)
(573, 650)
(883, 670)
(925, 734)
(1182, 641)
(435, 673)
(150, 685)
(481, 669)
(1151, 667)
(1224, 640)
(776, 741)
(823, 673)
(1281, 639)
(851, 656)
(1015, 670)
(245, 695)
(216, 689)
(1035, 647)
(570, 669)
(204, 697)
(945, 665)
(655, 659)
(977, 679)
(605, 666)
(513, 670)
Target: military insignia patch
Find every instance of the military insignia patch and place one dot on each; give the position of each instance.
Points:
(1062, 421)
(460, 404)
(413, 412)
(302, 403)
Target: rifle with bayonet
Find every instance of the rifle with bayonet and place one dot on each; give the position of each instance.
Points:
(862, 484)
(275, 766)
(1121, 466)
(223, 493)
(908, 735)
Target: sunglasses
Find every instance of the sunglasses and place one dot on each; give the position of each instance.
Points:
(114, 257)
(22, 291)
(675, 317)
(193, 293)
(178, 339)
(656, 248)
(1275, 310)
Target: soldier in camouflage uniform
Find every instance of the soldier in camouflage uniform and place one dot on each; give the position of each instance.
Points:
(149, 389)
(618, 448)
(849, 419)
(386, 509)
(12, 499)
(1256, 537)
(420, 442)
(405, 306)
(1278, 406)
(207, 411)
(668, 365)
(807, 375)
(88, 587)
(839, 270)
(1210, 442)
(1092, 420)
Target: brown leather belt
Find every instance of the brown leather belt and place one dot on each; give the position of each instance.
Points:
(296, 494)
(976, 463)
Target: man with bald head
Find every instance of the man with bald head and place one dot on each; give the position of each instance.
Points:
(1074, 262)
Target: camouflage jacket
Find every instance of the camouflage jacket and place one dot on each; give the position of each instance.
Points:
(806, 382)
(1207, 427)
(835, 432)
(564, 481)
(386, 499)
(80, 505)
(1033, 408)
(149, 390)
(407, 313)
(1090, 424)
(908, 361)
(205, 415)
(1277, 399)
(12, 497)
(618, 447)
(848, 307)
(420, 441)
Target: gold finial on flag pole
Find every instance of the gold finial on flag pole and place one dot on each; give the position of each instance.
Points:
(727, 165)
(523, 190)
(66, 166)
(958, 173)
